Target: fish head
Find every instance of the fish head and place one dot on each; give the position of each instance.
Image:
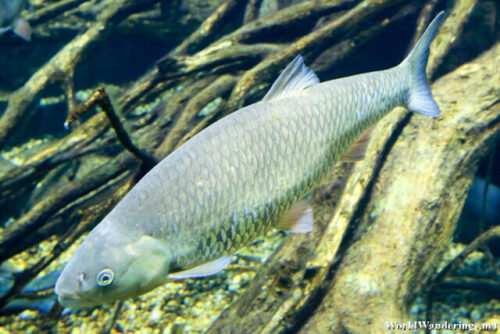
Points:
(112, 265)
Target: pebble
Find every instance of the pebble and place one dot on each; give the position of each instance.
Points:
(463, 312)
(194, 306)
(476, 315)
(234, 284)
(188, 301)
(417, 308)
(462, 320)
(32, 330)
(28, 314)
(155, 314)
(197, 311)
(210, 107)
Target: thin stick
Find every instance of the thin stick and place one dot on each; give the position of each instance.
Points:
(101, 98)
(483, 238)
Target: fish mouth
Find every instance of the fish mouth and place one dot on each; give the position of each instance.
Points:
(74, 300)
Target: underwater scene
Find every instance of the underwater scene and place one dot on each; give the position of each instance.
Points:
(249, 166)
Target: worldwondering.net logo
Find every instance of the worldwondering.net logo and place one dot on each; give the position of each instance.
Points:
(445, 325)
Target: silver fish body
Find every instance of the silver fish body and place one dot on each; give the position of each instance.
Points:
(230, 183)
(234, 180)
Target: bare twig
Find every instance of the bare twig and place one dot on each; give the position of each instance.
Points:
(101, 98)
(488, 286)
(116, 312)
(441, 279)
(51, 11)
(483, 238)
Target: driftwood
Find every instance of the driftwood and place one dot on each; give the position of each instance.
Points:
(335, 271)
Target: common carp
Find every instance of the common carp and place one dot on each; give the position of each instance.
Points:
(239, 178)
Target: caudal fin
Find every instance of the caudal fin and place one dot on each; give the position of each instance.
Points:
(420, 99)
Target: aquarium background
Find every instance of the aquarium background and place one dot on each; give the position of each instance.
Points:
(153, 58)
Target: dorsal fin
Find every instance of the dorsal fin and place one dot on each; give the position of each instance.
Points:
(296, 76)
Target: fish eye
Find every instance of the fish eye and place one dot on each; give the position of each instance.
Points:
(105, 277)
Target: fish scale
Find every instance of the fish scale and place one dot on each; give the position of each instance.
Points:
(282, 183)
(233, 181)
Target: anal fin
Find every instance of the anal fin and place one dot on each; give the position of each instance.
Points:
(206, 269)
(298, 219)
(358, 150)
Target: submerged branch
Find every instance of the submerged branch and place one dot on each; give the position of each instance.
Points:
(305, 45)
(87, 220)
(21, 101)
(12, 238)
(484, 238)
(221, 87)
(101, 98)
(335, 292)
(208, 28)
(53, 11)
(235, 46)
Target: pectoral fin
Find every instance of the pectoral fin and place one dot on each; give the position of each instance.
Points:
(298, 219)
(206, 269)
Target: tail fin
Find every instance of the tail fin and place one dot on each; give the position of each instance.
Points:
(420, 99)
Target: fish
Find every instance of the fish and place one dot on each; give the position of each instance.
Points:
(37, 295)
(10, 18)
(239, 178)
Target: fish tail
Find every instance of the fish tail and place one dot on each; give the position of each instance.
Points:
(420, 98)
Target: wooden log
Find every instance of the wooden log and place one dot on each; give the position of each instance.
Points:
(414, 204)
